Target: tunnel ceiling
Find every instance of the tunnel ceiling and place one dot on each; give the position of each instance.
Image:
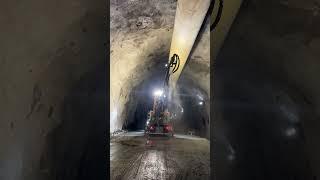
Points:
(140, 38)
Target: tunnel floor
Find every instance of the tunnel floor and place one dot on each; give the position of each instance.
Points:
(134, 156)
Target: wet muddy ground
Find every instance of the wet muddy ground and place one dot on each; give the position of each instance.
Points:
(138, 157)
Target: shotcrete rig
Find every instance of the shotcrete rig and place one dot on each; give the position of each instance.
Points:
(159, 119)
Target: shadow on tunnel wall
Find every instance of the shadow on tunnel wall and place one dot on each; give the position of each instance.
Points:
(257, 132)
(47, 47)
(264, 110)
(75, 149)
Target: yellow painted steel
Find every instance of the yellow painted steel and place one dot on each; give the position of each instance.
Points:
(188, 20)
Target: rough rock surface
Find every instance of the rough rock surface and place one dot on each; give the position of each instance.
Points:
(140, 41)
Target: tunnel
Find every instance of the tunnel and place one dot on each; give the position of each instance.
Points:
(190, 112)
(54, 68)
(141, 33)
(266, 93)
(144, 35)
(263, 122)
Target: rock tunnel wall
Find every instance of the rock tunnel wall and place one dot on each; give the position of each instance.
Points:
(47, 47)
(141, 34)
(266, 105)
